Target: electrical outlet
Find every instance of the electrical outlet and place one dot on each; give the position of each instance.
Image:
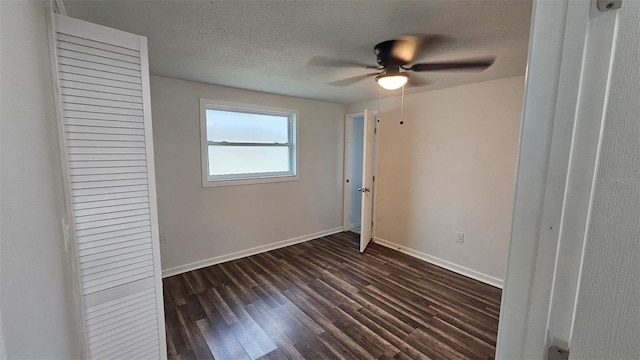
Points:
(460, 237)
(162, 239)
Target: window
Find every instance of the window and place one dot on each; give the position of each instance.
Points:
(245, 144)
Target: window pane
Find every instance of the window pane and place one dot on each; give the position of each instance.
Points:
(243, 127)
(226, 160)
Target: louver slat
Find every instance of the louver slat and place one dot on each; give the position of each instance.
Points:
(110, 282)
(126, 347)
(101, 116)
(89, 202)
(150, 353)
(70, 54)
(124, 214)
(105, 144)
(108, 230)
(96, 94)
(98, 45)
(98, 66)
(114, 269)
(135, 323)
(109, 191)
(118, 327)
(108, 184)
(111, 124)
(114, 84)
(113, 236)
(106, 210)
(75, 85)
(73, 69)
(111, 244)
(90, 166)
(102, 77)
(76, 46)
(98, 313)
(72, 99)
(79, 150)
(97, 108)
(140, 233)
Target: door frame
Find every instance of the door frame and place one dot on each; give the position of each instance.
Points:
(563, 111)
(346, 199)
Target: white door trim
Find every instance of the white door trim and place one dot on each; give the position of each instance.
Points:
(599, 51)
(556, 145)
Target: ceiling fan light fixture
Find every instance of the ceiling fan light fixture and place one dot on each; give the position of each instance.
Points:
(392, 81)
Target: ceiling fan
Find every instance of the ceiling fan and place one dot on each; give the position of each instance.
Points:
(394, 58)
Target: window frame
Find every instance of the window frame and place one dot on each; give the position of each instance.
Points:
(249, 178)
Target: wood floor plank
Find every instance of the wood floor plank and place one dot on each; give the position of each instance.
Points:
(211, 301)
(322, 299)
(251, 347)
(385, 336)
(197, 343)
(279, 332)
(220, 340)
(337, 349)
(176, 335)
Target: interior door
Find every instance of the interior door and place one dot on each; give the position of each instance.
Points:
(102, 80)
(366, 224)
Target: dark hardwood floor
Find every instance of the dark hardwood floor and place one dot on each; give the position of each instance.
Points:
(322, 299)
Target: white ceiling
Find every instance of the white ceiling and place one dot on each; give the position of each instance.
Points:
(267, 45)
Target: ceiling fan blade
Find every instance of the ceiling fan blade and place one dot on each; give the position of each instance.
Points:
(469, 65)
(411, 47)
(333, 62)
(351, 80)
(404, 49)
(415, 81)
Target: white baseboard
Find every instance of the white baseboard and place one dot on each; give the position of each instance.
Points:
(355, 227)
(248, 252)
(487, 279)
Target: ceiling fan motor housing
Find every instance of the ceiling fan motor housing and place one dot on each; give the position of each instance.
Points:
(383, 54)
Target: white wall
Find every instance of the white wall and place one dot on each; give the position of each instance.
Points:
(607, 319)
(200, 224)
(450, 168)
(37, 296)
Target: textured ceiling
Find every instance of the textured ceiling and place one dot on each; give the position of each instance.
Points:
(267, 45)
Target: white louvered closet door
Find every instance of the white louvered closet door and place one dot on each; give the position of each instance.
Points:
(107, 151)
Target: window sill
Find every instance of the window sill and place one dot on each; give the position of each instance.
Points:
(264, 180)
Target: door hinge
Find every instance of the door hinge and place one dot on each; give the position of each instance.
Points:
(374, 178)
(375, 130)
(555, 353)
(606, 5)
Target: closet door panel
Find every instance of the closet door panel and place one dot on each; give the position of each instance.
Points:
(107, 151)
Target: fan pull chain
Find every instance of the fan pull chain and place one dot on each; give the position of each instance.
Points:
(379, 96)
(402, 107)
